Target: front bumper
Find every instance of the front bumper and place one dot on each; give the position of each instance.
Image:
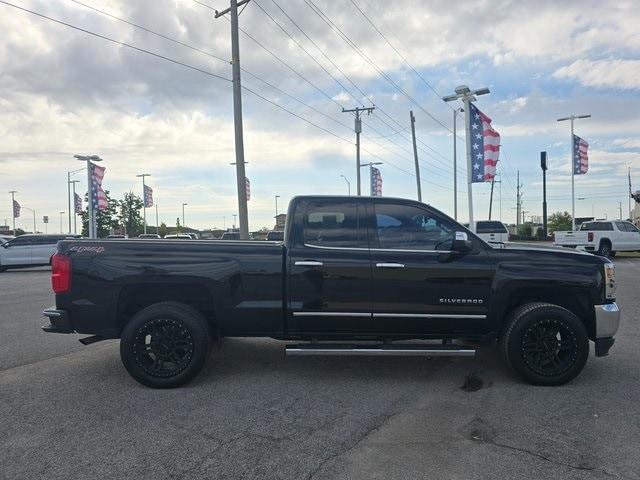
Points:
(58, 321)
(607, 323)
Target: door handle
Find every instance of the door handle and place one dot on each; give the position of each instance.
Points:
(390, 265)
(308, 263)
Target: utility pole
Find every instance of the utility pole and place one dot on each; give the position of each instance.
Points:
(518, 199)
(144, 199)
(276, 197)
(13, 211)
(415, 153)
(157, 224)
(358, 130)
(543, 166)
(69, 181)
(572, 163)
(467, 96)
(237, 115)
(493, 181)
(620, 208)
(630, 193)
(499, 182)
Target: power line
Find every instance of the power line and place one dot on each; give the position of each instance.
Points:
(364, 95)
(118, 42)
(358, 50)
(304, 49)
(431, 87)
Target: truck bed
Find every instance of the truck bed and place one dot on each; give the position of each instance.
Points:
(114, 277)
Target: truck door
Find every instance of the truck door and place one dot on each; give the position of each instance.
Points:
(329, 265)
(18, 251)
(419, 285)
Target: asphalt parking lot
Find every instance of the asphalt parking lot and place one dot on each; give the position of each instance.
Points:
(72, 412)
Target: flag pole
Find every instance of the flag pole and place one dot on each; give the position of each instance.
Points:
(572, 154)
(467, 118)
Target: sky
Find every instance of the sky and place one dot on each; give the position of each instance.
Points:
(65, 92)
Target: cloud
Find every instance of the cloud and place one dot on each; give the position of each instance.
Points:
(618, 74)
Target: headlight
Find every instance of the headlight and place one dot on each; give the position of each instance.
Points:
(609, 281)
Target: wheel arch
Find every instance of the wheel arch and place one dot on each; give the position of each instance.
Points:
(135, 297)
(576, 302)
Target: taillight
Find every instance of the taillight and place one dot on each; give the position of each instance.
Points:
(60, 273)
(589, 236)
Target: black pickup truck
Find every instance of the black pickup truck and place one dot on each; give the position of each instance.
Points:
(354, 276)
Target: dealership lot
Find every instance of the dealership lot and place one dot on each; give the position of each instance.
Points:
(72, 412)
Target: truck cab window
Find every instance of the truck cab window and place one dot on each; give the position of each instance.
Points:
(405, 227)
(334, 225)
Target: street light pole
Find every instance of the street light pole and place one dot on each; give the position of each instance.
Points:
(276, 198)
(92, 230)
(348, 185)
(572, 164)
(13, 212)
(144, 200)
(467, 96)
(69, 201)
(183, 223)
(75, 214)
(34, 217)
(455, 161)
(415, 154)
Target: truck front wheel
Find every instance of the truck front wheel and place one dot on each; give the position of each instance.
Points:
(545, 344)
(165, 344)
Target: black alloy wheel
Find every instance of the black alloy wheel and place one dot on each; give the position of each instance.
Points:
(549, 347)
(545, 344)
(165, 345)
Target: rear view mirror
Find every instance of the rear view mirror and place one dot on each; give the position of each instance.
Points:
(461, 243)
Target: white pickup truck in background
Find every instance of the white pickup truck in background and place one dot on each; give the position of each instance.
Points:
(602, 237)
(491, 231)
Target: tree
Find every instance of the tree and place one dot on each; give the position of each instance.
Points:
(560, 221)
(106, 219)
(129, 214)
(525, 230)
(162, 231)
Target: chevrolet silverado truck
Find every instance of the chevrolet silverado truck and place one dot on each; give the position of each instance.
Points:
(602, 237)
(353, 276)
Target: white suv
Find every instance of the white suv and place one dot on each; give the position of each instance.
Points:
(29, 250)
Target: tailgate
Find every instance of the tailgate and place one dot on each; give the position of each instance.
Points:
(570, 239)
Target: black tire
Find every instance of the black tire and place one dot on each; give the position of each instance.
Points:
(545, 344)
(165, 345)
(605, 249)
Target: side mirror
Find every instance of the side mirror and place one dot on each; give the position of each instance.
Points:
(461, 243)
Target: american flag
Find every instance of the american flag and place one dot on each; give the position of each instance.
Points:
(485, 146)
(580, 157)
(376, 182)
(148, 196)
(16, 209)
(98, 197)
(77, 203)
(247, 188)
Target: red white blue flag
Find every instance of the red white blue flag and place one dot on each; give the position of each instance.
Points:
(485, 146)
(376, 182)
(247, 188)
(148, 196)
(16, 209)
(77, 204)
(580, 157)
(98, 197)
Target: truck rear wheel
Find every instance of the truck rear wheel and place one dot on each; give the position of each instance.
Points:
(165, 345)
(605, 249)
(545, 344)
